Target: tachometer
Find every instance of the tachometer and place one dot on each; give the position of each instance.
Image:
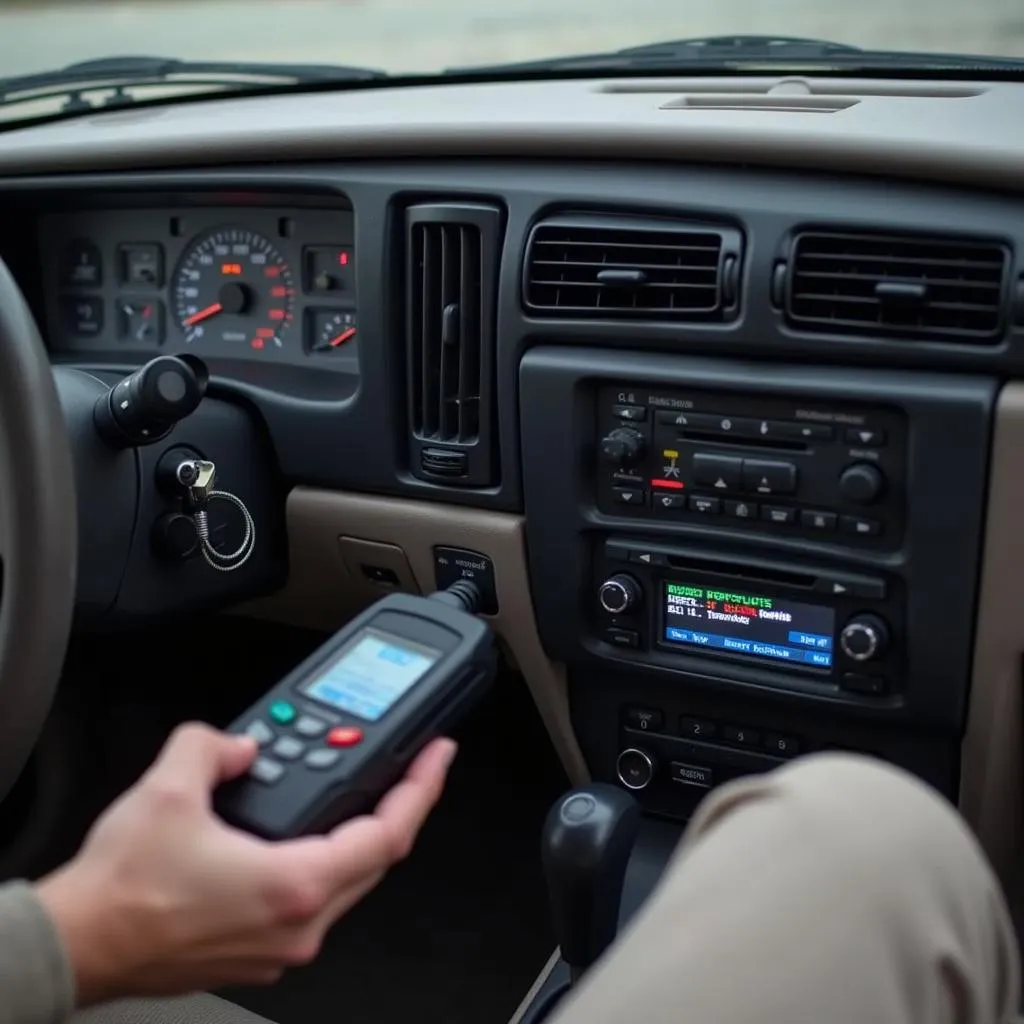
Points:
(233, 286)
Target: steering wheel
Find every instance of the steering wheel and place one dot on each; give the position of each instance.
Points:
(38, 533)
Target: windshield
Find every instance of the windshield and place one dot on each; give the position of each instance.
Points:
(427, 36)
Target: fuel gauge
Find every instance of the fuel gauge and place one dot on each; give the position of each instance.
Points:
(333, 330)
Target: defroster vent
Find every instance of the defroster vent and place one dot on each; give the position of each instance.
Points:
(452, 279)
(632, 268)
(896, 285)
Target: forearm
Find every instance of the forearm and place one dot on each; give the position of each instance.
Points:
(36, 981)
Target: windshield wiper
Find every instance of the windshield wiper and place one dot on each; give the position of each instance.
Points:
(744, 53)
(116, 76)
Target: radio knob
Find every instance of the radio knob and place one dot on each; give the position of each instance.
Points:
(623, 447)
(635, 768)
(619, 593)
(862, 483)
(864, 638)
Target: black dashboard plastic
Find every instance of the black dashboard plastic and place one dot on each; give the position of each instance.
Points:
(300, 403)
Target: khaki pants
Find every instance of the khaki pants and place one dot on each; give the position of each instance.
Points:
(836, 890)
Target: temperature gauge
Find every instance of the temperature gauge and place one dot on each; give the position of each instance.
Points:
(142, 322)
(333, 330)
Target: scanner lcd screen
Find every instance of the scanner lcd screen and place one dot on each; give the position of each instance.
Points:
(373, 672)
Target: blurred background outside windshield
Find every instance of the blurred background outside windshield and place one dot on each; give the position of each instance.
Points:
(418, 36)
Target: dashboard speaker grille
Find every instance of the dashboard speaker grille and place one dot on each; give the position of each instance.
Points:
(631, 268)
(904, 286)
(452, 271)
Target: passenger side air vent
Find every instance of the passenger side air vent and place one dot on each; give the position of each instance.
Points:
(625, 268)
(452, 264)
(901, 286)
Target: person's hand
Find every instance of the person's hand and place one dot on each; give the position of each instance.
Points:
(165, 898)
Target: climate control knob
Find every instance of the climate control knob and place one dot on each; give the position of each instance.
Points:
(635, 768)
(623, 447)
(864, 638)
(862, 483)
(619, 594)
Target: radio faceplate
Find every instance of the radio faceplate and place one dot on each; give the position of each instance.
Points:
(787, 625)
(780, 465)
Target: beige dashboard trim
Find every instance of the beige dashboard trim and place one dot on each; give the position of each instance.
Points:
(324, 588)
(888, 128)
(991, 797)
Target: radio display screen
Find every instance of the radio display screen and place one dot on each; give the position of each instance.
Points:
(770, 628)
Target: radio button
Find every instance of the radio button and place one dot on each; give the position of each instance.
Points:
(647, 557)
(741, 736)
(668, 502)
(621, 637)
(718, 471)
(700, 422)
(776, 514)
(807, 431)
(705, 506)
(865, 437)
(692, 775)
(781, 746)
(861, 527)
(742, 509)
(871, 686)
(629, 495)
(648, 719)
(697, 728)
(769, 477)
(818, 520)
(630, 413)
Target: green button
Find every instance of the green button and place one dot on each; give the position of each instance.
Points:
(281, 711)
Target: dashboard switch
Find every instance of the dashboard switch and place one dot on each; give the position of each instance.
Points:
(765, 477)
(623, 447)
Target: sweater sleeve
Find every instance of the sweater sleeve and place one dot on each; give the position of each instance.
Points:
(36, 981)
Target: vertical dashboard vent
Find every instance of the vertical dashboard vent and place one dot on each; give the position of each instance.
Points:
(452, 263)
(895, 285)
(632, 268)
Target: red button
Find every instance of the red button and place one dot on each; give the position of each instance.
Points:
(344, 736)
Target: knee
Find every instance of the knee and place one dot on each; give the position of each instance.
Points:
(880, 822)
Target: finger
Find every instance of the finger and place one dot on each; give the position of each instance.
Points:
(198, 757)
(401, 812)
(367, 846)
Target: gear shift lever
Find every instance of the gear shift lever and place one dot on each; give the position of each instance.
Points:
(585, 846)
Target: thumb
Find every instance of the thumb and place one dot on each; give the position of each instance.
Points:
(198, 757)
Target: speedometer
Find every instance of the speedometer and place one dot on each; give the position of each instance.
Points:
(233, 286)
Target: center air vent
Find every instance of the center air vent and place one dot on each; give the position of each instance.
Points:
(452, 261)
(903, 286)
(625, 268)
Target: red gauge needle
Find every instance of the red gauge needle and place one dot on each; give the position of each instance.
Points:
(204, 314)
(342, 338)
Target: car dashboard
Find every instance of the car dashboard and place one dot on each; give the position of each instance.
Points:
(723, 412)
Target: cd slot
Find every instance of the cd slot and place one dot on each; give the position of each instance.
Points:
(718, 438)
(746, 571)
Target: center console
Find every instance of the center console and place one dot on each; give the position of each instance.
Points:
(734, 571)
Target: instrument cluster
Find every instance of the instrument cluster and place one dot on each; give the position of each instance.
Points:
(256, 283)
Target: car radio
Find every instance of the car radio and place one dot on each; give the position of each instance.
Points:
(787, 625)
(748, 463)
